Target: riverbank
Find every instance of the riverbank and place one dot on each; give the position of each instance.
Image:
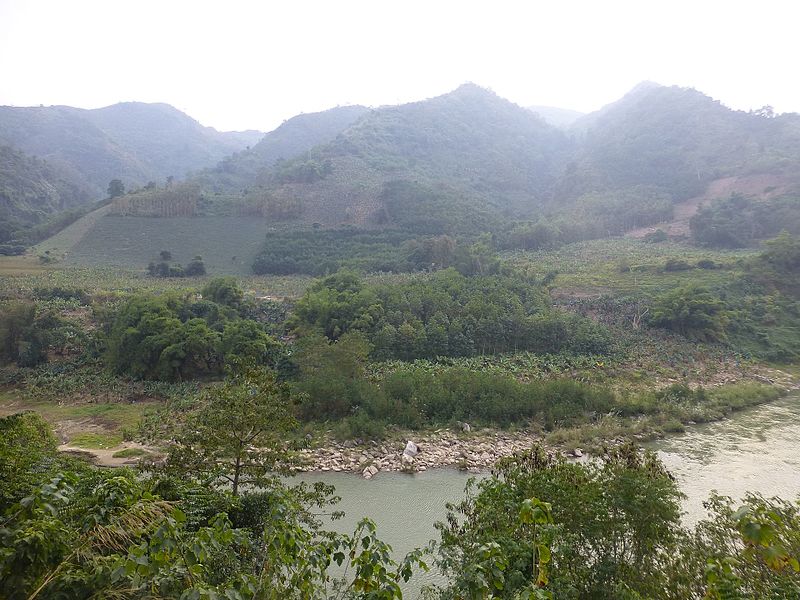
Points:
(475, 450)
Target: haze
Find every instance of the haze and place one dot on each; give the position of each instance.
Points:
(251, 65)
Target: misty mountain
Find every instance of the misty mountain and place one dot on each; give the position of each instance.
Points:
(32, 189)
(678, 140)
(133, 141)
(468, 147)
(293, 137)
(60, 157)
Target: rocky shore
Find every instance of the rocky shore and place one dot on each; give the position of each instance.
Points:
(473, 452)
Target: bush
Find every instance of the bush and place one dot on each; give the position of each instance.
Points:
(674, 264)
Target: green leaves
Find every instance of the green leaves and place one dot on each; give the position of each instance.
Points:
(534, 511)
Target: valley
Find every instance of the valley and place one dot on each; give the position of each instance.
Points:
(243, 326)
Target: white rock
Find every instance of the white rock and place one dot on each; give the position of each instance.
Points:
(411, 449)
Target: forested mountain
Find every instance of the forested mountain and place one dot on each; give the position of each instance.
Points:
(460, 164)
(59, 157)
(471, 155)
(295, 136)
(31, 189)
(132, 141)
(467, 151)
(678, 140)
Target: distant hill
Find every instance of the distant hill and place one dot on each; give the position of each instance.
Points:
(57, 157)
(465, 148)
(293, 137)
(469, 162)
(676, 139)
(558, 117)
(32, 189)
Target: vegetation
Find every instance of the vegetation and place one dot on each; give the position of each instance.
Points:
(457, 285)
(738, 221)
(446, 315)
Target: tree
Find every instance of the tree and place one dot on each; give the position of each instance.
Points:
(27, 449)
(195, 268)
(115, 188)
(224, 291)
(783, 253)
(165, 255)
(609, 519)
(693, 311)
(238, 435)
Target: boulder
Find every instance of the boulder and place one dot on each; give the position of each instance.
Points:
(466, 428)
(411, 449)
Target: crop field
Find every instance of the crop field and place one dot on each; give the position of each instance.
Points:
(227, 244)
(629, 266)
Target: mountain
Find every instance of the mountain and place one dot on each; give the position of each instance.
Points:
(132, 141)
(292, 138)
(59, 157)
(678, 140)
(459, 164)
(466, 148)
(562, 118)
(32, 189)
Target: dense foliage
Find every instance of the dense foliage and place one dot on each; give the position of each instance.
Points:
(179, 336)
(612, 530)
(739, 221)
(74, 532)
(447, 314)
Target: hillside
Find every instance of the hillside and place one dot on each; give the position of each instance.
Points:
(56, 158)
(678, 140)
(461, 164)
(292, 138)
(31, 189)
(468, 148)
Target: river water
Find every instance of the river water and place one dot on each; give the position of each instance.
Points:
(755, 450)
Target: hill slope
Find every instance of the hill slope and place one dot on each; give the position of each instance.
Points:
(678, 140)
(469, 148)
(59, 157)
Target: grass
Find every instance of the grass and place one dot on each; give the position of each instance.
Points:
(99, 441)
(594, 266)
(63, 241)
(130, 453)
(15, 266)
(228, 245)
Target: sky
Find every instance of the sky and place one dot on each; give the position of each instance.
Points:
(240, 65)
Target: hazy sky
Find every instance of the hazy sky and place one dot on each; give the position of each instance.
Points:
(250, 65)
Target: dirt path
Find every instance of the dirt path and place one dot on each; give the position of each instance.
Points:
(759, 186)
(106, 458)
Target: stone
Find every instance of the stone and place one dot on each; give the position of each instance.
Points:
(577, 453)
(466, 428)
(411, 449)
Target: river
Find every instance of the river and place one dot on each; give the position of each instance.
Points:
(755, 450)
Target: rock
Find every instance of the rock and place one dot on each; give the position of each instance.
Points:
(372, 469)
(577, 453)
(466, 428)
(411, 449)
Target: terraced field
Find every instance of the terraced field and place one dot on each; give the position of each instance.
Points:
(227, 244)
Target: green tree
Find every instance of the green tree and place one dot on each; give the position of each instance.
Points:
(27, 452)
(609, 518)
(693, 311)
(115, 188)
(224, 291)
(238, 435)
(195, 268)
